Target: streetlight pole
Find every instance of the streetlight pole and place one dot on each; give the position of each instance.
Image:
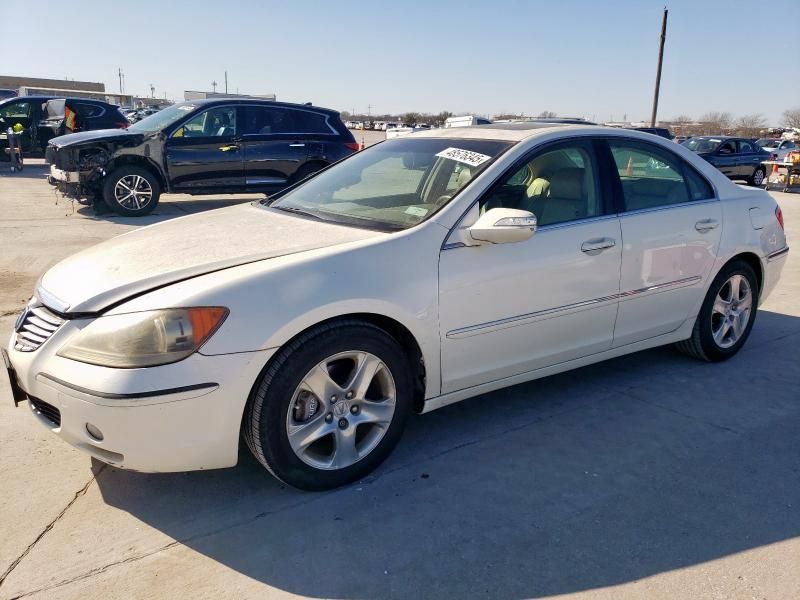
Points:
(658, 71)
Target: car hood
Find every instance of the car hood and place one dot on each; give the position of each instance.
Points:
(139, 261)
(99, 135)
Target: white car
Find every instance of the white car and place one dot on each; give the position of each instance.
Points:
(777, 148)
(417, 273)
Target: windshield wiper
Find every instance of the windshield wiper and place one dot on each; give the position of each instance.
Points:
(299, 211)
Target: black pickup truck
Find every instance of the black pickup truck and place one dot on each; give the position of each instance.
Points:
(221, 145)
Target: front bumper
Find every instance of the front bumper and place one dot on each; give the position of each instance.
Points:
(179, 417)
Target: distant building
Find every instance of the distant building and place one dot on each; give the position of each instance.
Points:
(13, 82)
(195, 95)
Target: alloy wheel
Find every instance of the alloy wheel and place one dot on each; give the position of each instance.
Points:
(758, 177)
(341, 410)
(133, 192)
(731, 311)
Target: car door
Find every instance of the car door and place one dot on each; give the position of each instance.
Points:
(507, 309)
(747, 160)
(725, 158)
(671, 226)
(204, 153)
(22, 112)
(275, 147)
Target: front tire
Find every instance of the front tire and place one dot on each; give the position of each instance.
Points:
(331, 406)
(131, 191)
(727, 315)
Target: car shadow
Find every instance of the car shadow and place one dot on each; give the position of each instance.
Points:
(35, 170)
(604, 475)
(169, 207)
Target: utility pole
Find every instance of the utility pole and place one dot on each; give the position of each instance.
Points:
(658, 71)
(152, 91)
(226, 82)
(214, 85)
(119, 72)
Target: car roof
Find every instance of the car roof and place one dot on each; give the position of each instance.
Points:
(213, 101)
(513, 132)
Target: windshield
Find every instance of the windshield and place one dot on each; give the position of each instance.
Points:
(163, 118)
(393, 185)
(702, 144)
(768, 143)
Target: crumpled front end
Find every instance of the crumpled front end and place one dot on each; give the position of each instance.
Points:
(77, 172)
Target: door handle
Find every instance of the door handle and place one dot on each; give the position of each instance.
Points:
(229, 147)
(598, 244)
(706, 225)
(297, 145)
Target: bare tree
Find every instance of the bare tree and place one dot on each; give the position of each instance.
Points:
(791, 117)
(442, 117)
(411, 118)
(715, 123)
(750, 125)
(506, 117)
(547, 114)
(681, 119)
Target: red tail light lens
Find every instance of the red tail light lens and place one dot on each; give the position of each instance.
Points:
(779, 216)
(355, 146)
(121, 124)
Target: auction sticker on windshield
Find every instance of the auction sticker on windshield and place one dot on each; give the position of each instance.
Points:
(473, 159)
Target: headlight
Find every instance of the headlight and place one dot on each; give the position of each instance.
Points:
(144, 339)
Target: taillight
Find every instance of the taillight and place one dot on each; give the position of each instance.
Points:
(121, 124)
(779, 216)
(354, 146)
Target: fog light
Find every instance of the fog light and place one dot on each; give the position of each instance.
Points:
(94, 432)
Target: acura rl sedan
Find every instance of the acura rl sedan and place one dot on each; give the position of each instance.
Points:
(417, 273)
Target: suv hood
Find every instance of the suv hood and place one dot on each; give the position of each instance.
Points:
(139, 261)
(99, 135)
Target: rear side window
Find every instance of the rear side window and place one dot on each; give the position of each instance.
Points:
(311, 122)
(652, 177)
(271, 120)
(88, 110)
(746, 147)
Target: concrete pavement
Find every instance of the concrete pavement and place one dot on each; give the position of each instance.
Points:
(648, 476)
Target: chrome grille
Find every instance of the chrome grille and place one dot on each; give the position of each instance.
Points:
(35, 327)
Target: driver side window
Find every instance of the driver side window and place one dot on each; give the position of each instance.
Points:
(219, 121)
(728, 148)
(557, 185)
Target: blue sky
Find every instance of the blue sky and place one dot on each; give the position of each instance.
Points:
(575, 57)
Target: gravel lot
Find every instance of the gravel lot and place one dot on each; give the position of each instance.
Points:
(648, 476)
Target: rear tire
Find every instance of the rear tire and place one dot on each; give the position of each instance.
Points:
(319, 440)
(726, 316)
(131, 191)
(757, 179)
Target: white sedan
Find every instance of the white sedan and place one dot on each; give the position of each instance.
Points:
(419, 272)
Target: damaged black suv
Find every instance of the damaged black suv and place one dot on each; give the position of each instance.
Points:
(223, 145)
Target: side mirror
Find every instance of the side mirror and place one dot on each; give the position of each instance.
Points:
(504, 226)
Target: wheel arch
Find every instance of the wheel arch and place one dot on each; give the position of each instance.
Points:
(392, 327)
(141, 162)
(752, 260)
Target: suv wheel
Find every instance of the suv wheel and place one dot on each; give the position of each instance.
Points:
(131, 191)
(331, 406)
(727, 315)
